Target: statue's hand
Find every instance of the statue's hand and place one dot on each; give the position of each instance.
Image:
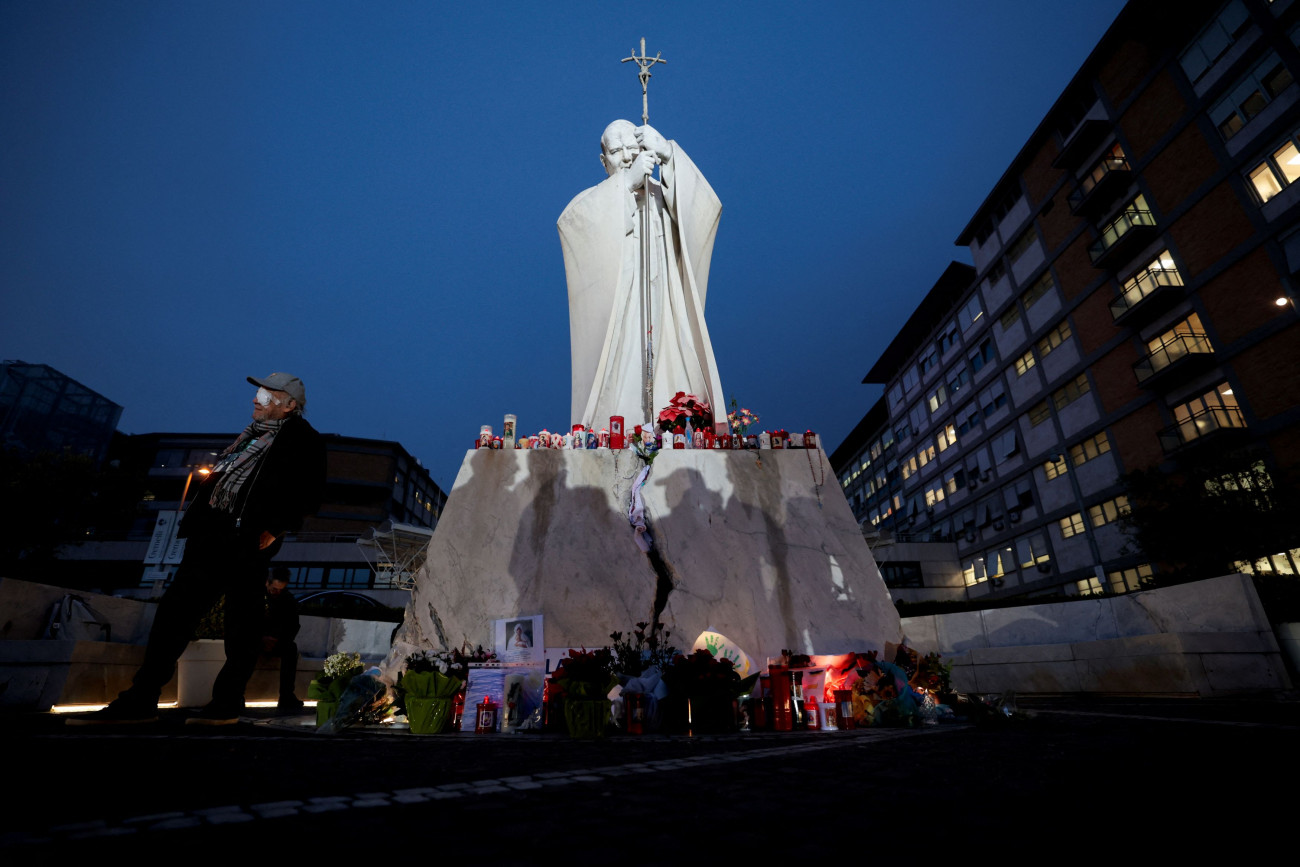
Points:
(652, 141)
(636, 173)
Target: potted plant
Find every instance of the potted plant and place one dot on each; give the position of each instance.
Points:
(703, 693)
(583, 680)
(683, 408)
(639, 661)
(428, 689)
(327, 690)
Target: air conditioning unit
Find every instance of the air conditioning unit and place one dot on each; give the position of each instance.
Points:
(1014, 516)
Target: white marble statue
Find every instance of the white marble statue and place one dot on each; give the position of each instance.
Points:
(600, 233)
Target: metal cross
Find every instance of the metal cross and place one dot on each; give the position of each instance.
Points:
(644, 63)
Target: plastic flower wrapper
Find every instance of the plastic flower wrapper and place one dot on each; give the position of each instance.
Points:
(586, 674)
(367, 699)
(430, 676)
(339, 669)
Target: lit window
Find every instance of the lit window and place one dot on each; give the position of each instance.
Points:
(1104, 513)
(1129, 580)
(1024, 362)
(937, 399)
(1054, 338)
(1089, 587)
(973, 571)
(947, 436)
(1070, 392)
(1089, 449)
(1072, 525)
(1159, 272)
(1278, 171)
(1039, 413)
(1033, 550)
(1211, 411)
(1054, 468)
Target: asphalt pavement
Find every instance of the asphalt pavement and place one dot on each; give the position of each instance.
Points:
(1119, 777)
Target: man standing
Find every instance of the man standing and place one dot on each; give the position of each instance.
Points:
(263, 485)
(278, 633)
(611, 315)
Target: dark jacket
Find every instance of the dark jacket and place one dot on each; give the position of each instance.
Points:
(286, 487)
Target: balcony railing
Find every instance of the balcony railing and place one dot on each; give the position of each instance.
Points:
(1131, 224)
(1169, 353)
(1200, 425)
(1165, 284)
(1107, 175)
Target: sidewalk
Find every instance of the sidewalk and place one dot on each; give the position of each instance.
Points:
(1075, 766)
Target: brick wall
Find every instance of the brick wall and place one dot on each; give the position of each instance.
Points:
(1134, 438)
(1152, 114)
(1208, 231)
(1241, 298)
(1185, 164)
(1269, 372)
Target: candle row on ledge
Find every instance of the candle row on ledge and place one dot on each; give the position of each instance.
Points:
(613, 437)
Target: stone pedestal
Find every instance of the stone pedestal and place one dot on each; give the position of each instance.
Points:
(759, 545)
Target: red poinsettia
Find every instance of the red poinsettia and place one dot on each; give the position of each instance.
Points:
(683, 408)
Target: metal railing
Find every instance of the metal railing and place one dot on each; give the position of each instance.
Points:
(1200, 424)
(1115, 231)
(1170, 352)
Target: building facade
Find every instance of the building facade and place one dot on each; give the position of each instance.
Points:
(43, 410)
(1132, 305)
(369, 484)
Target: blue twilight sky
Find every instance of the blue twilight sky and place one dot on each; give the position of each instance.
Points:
(365, 193)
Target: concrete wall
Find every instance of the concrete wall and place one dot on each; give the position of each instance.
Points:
(37, 673)
(1205, 638)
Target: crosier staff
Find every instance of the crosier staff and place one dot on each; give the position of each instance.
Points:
(647, 323)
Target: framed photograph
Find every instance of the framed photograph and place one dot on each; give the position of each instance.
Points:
(518, 639)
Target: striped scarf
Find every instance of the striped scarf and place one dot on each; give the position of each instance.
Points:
(239, 461)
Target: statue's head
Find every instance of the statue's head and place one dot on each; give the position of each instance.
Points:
(619, 147)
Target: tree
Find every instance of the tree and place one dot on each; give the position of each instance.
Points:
(1203, 519)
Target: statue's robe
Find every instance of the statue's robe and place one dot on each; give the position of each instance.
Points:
(600, 233)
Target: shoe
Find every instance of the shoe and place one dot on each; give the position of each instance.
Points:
(292, 704)
(117, 713)
(214, 716)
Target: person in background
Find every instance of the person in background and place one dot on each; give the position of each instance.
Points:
(279, 631)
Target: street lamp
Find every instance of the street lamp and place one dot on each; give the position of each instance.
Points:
(202, 471)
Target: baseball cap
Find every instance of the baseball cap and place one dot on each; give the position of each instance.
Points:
(290, 385)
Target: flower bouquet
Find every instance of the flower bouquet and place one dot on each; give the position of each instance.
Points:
(639, 661)
(428, 688)
(741, 419)
(328, 689)
(684, 408)
(583, 680)
(704, 692)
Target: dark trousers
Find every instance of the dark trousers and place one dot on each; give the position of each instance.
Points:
(288, 653)
(213, 565)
